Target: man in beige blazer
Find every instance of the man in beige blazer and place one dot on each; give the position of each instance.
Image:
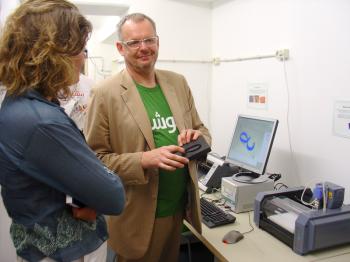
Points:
(131, 139)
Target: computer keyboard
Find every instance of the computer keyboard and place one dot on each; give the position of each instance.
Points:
(213, 216)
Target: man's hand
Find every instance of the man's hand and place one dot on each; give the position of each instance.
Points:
(84, 213)
(164, 158)
(187, 135)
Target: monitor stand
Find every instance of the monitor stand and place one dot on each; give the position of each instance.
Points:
(249, 177)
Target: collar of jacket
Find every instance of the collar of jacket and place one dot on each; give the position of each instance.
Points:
(134, 102)
(33, 94)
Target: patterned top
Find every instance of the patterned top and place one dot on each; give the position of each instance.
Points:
(43, 158)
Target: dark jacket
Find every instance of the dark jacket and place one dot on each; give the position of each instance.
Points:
(43, 158)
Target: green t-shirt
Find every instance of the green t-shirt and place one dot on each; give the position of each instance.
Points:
(172, 184)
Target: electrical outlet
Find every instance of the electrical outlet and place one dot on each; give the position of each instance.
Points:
(216, 60)
(282, 54)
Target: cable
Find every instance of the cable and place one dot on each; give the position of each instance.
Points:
(101, 73)
(275, 177)
(204, 193)
(288, 116)
(209, 96)
(324, 197)
(215, 191)
(250, 224)
(280, 184)
(214, 200)
(314, 203)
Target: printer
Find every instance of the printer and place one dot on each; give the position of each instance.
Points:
(304, 229)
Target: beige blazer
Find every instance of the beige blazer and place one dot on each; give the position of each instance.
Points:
(118, 130)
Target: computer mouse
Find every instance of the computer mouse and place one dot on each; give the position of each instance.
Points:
(232, 237)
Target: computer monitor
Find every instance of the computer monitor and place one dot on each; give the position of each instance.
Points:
(251, 145)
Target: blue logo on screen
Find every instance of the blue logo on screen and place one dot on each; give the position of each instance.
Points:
(245, 138)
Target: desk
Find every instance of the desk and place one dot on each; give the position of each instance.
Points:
(259, 245)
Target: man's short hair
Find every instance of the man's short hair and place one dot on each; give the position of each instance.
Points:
(135, 17)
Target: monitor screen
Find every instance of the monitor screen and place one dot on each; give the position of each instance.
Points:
(251, 143)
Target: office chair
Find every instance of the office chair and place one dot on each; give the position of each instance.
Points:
(187, 238)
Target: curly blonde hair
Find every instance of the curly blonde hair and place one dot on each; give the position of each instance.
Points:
(37, 45)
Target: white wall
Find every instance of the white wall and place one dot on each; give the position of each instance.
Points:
(316, 32)
(184, 30)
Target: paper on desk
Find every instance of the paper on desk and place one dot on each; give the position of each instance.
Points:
(285, 220)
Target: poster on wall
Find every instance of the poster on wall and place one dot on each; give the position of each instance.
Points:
(341, 119)
(257, 95)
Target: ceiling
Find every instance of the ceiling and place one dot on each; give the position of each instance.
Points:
(104, 12)
(102, 7)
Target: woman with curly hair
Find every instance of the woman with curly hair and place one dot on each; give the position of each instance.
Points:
(43, 155)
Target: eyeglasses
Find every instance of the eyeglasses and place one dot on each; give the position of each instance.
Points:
(134, 44)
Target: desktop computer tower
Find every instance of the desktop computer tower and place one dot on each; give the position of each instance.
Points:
(241, 196)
